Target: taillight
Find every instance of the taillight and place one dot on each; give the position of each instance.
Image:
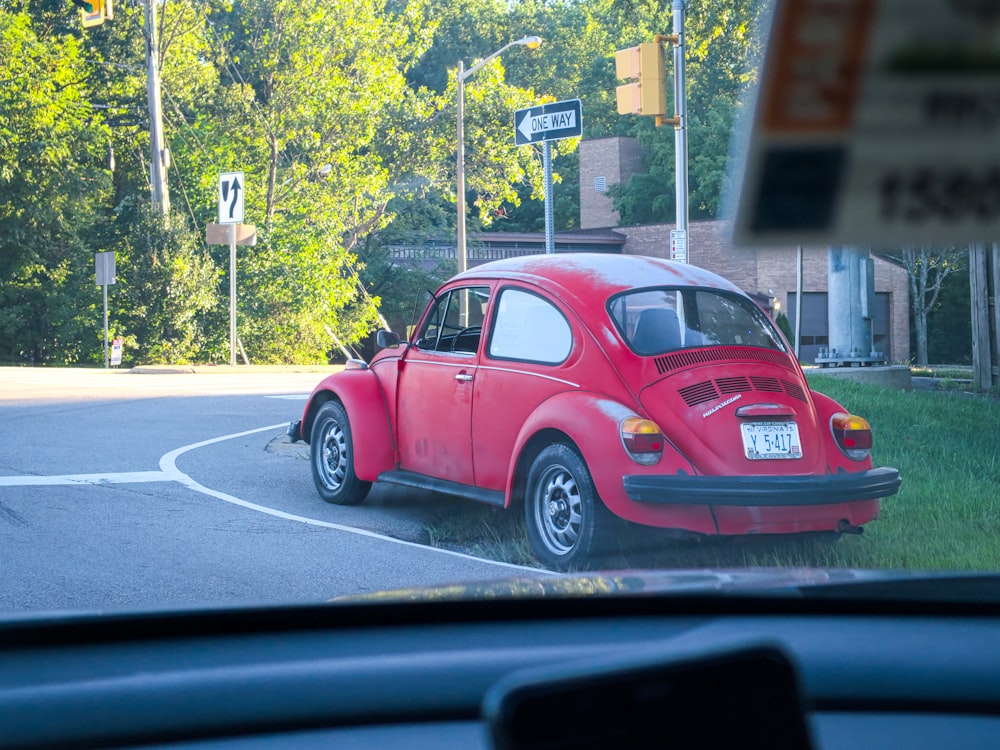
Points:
(853, 435)
(643, 440)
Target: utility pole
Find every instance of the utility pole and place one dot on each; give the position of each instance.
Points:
(159, 156)
(680, 132)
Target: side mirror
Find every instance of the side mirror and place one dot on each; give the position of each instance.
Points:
(387, 339)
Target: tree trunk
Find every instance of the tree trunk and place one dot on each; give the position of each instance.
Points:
(920, 324)
(272, 179)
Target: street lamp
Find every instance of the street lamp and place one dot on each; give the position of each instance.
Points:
(531, 42)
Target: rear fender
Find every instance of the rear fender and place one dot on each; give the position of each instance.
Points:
(591, 423)
(362, 396)
(826, 407)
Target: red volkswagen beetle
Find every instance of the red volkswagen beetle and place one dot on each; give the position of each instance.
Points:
(588, 388)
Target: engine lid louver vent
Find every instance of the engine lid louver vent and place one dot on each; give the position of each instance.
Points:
(709, 390)
(699, 393)
(676, 360)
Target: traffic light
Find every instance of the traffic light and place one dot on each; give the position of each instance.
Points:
(94, 12)
(644, 65)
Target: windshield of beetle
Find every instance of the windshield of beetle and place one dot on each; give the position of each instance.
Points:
(423, 294)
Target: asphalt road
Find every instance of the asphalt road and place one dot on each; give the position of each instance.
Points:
(179, 488)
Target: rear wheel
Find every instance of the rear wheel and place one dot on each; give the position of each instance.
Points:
(332, 457)
(568, 524)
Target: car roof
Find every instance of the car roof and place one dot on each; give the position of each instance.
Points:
(602, 274)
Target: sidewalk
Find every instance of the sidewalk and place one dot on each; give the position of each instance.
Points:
(228, 370)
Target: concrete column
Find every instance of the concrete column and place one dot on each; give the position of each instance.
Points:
(851, 302)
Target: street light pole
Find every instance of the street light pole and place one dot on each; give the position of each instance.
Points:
(531, 42)
(460, 254)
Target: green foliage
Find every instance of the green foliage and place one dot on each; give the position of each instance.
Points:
(781, 320)
(342, 114)
(166, 283)
(723, 48)
(52, 185)
(949, 324)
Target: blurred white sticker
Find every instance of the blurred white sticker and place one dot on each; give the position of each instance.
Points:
(877, 123)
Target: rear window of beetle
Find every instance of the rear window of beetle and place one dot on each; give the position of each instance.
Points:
(655, 321)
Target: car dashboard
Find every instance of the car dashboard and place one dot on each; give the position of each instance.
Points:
(862, 674)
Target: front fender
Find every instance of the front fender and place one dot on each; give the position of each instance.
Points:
(592, 422)
(363, 397)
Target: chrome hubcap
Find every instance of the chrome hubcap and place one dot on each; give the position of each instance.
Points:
(558, 510)
(334, 457)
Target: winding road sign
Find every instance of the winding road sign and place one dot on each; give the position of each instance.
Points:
(231, 189)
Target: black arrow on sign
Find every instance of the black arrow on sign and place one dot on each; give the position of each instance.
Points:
(236, 194)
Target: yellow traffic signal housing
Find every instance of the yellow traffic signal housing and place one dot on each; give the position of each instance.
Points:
(95, 12)
(645, 65)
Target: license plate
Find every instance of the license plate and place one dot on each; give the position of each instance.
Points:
(771, 440)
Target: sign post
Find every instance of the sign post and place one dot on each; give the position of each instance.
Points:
(104, 271)
(678, 245)
(116, 351)
(231, 189)
(542, 124)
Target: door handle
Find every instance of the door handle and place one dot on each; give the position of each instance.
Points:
(463, 377)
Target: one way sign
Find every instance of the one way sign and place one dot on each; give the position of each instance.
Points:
(548, 122)
(231, 189)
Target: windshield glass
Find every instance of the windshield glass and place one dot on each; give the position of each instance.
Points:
(325, 299)
(662, 320)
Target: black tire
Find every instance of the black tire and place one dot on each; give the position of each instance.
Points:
(568, 525)
(331, 456)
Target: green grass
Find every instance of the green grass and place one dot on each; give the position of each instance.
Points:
(946, 515)
(947, 449)
(483, 531)
(937, 371)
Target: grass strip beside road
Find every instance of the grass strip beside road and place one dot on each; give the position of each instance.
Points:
(947, 449)
(946, 515)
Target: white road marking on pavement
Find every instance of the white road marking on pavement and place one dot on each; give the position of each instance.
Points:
(124, 477)
(292, 397)
(168, 464)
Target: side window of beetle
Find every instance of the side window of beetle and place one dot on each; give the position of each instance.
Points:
(528, 328)
(455, 322)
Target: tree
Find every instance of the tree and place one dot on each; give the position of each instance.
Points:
(723, 46)
(927, 268)
(52, 187)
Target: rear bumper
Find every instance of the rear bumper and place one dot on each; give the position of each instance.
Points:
(763, 491)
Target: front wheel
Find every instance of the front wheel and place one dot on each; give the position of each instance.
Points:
(568, 524)
(331, 454)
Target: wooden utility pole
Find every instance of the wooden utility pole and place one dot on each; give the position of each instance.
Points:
(984, 284)
(159, 156)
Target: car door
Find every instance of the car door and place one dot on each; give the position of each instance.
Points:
(530, 347)
(435, 386)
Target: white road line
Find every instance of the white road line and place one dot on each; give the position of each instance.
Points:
(170, 473)
(168, 465)
(125, 477)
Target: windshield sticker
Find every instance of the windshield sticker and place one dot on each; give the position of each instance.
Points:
(876, 123)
